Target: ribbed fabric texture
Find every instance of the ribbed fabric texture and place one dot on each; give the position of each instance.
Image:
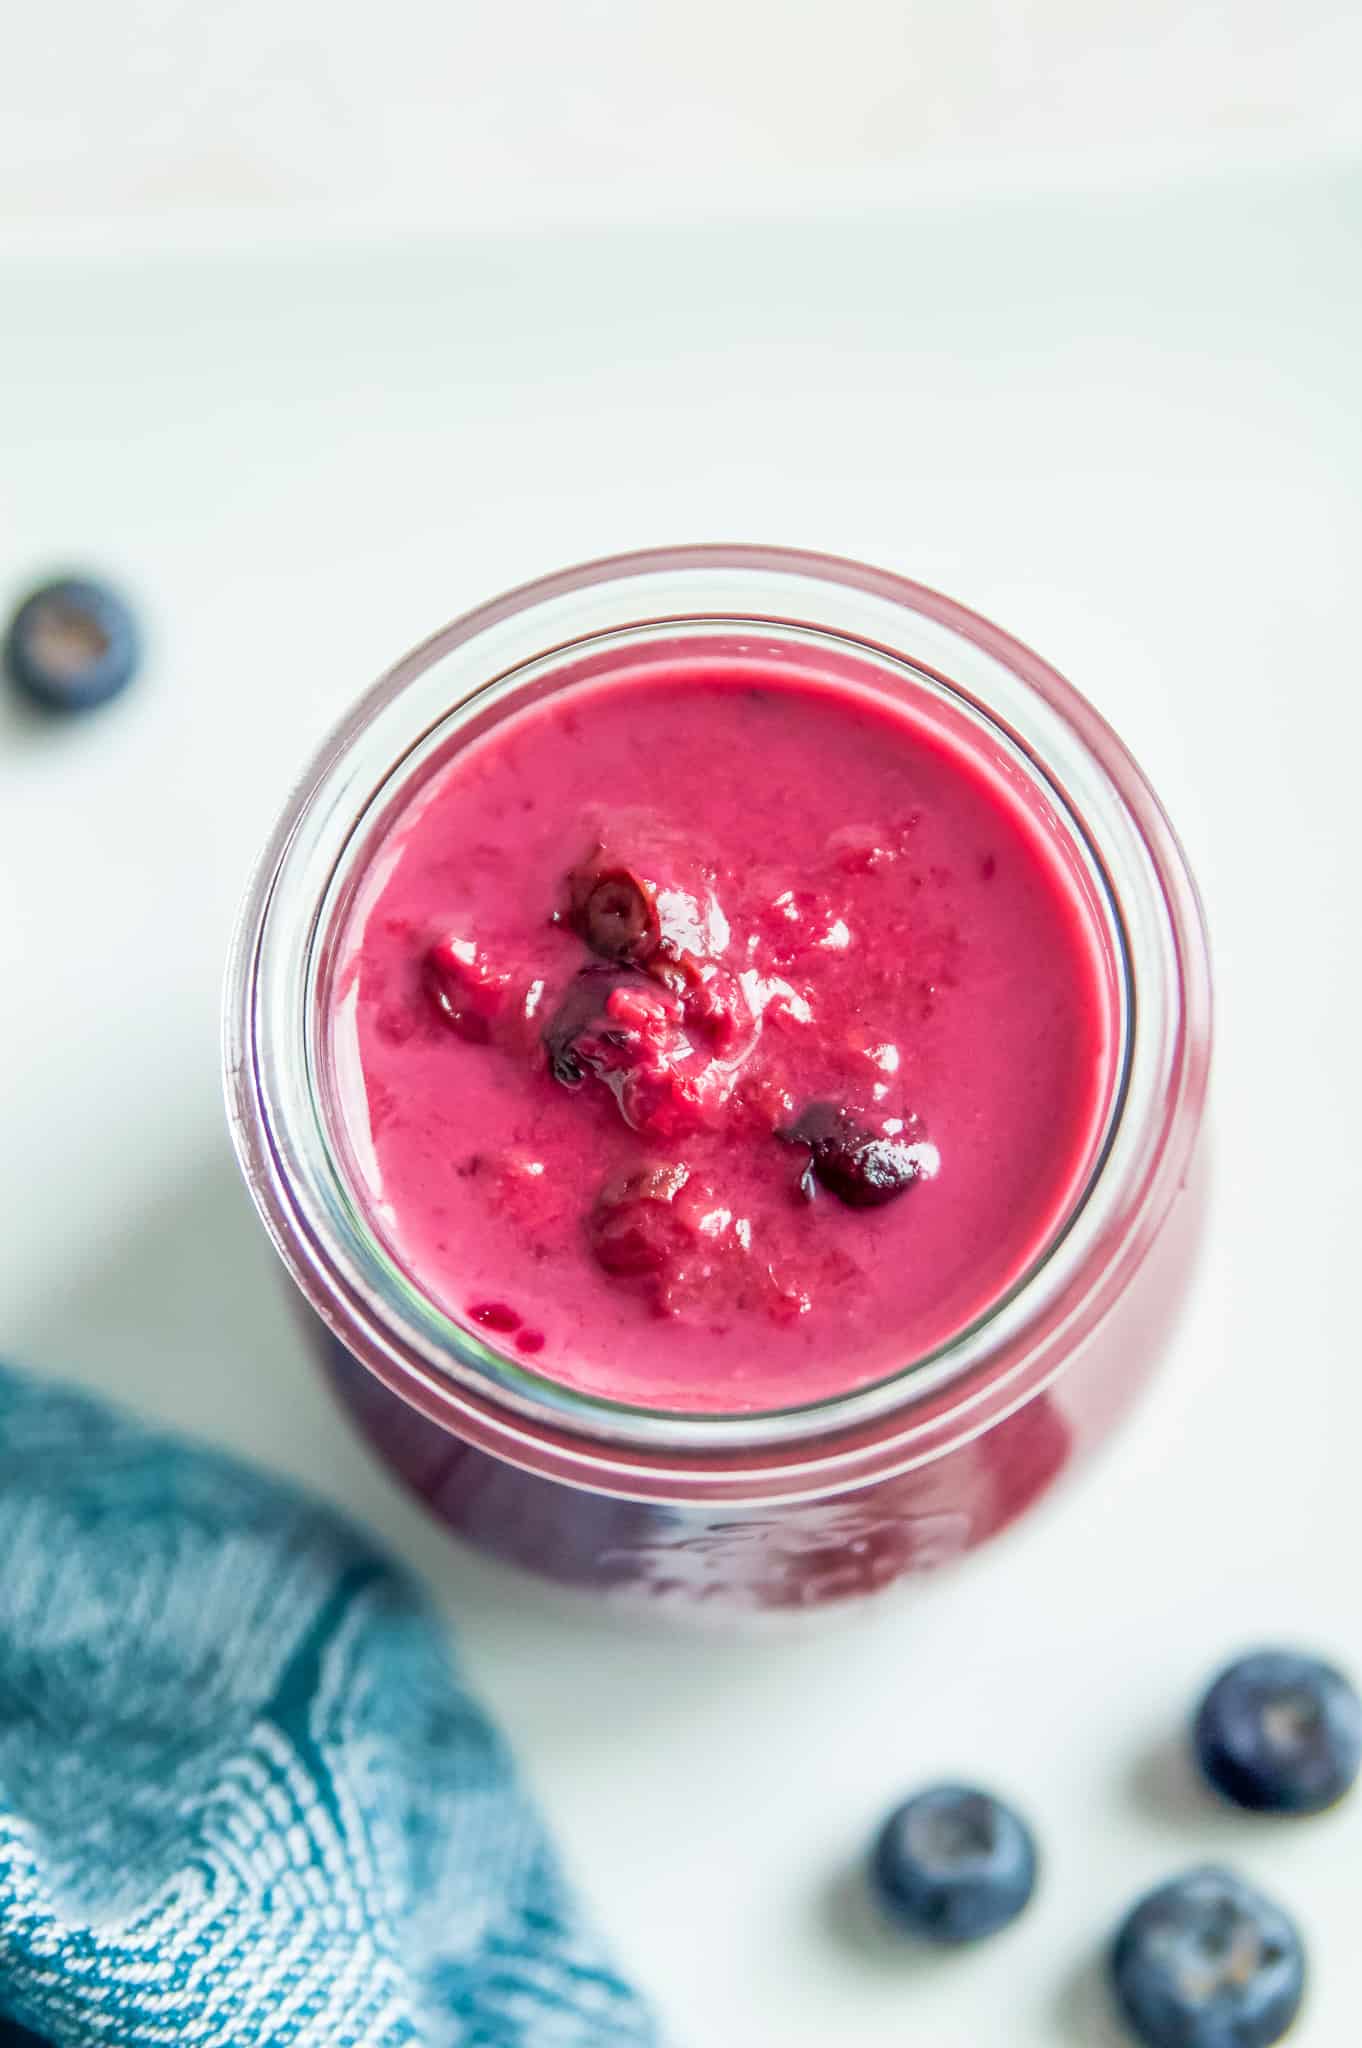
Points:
(245, 1797)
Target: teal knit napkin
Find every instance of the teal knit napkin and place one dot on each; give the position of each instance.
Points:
(245, 1798)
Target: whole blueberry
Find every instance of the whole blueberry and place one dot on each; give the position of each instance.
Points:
(863, 1167)
(615, 911)
(1207, 1962)
(1280, 1733)
(580, 1019)
(72, 644)
(954, 1864)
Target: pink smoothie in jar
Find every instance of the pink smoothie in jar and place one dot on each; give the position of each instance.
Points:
(719, 1038)
(720, 1034)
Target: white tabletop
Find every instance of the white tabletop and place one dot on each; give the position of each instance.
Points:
(173, 112)
(1128, 428)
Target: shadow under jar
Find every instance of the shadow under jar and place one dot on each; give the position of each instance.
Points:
(686, 1475)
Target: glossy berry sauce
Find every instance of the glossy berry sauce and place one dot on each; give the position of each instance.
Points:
(719, 1036)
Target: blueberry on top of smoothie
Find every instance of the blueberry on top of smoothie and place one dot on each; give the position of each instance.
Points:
(862, 1167)
(580, 1033)
(658, 1020)
(641, 895)
(615, 911)
(628, 1033)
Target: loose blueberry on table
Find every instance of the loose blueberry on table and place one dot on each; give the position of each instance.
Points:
(954, 1864)
(1205, 1961)
(72, 644)
(1279, 1732)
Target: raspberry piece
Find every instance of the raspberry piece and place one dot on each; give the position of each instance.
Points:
(470, 995)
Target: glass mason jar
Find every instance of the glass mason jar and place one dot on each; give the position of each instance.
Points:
(806, 1505)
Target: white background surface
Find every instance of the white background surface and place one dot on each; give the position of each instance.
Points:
(466, 110)
(1129, 428)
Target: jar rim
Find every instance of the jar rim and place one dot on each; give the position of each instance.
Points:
(926, 1406)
